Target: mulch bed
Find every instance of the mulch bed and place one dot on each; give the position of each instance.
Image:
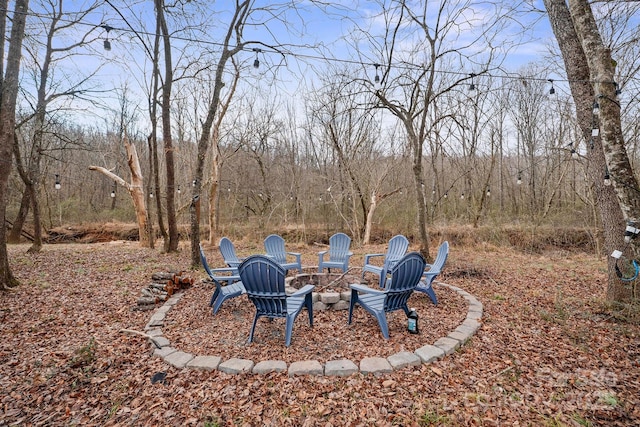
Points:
(549, 352)
(191, 327)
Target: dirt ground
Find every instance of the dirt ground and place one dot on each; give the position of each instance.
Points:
(549, 351)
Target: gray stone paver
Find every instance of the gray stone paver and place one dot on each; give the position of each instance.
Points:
(267, 366)
(236, 366)
(160, 341)
(429, 353)
(375, 365)
(369, 365)
(164, 351)
(340, 368)
(205, 363)
(306, 367)
(448, 345)
(403, 359)
(179, 359)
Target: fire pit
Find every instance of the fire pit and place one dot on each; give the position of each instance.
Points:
(331, 290)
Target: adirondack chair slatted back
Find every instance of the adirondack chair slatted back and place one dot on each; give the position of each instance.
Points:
(441, 257)
(275, 247)
(205, 264)
(264, 282)
(228, 252)
(397, 248)
(339, 245)
(404, 278)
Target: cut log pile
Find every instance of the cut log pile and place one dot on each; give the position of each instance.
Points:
(163, 285)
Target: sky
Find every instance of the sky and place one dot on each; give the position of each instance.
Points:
(310, 37)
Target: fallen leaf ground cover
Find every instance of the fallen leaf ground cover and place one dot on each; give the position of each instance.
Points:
(549, 351)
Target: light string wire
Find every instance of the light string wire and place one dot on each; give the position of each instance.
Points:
(298, 55)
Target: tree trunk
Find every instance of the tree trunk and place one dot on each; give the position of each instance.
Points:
(21, 217)
(135, 188)
(586, 58)
(9, 95)
(172, 244)
(214, 215)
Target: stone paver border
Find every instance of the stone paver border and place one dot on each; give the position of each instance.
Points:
(369, 365)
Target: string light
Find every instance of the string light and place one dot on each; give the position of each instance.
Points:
(194, 183)
(618, 90)
(519, 180)
(596, 108)
(472, 86)
(552, 90)
(57, 185)
(488, 192)
(462, 196)
(399, 65)
(178, 189)
(113, 191)
(376, 79)
(574, 153)
(607, 177)
(256, 62)
(107, 43)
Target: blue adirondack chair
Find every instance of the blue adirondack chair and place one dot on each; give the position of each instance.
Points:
(433, 271)
(228, 252)
(339, 253)
(232, 289)
(263, 279)
(396, 249)
(274, 245)
(405, 276)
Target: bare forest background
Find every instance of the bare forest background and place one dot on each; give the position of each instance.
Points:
(420, 121)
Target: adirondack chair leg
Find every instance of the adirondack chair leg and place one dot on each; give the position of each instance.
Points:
(308, 302)
(213, 297)
(432, 294)
(382, 321)
(253, 327)
(352, 303)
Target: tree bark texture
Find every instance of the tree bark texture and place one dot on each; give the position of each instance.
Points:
(591, 74)
(9, 93)
(135, 188)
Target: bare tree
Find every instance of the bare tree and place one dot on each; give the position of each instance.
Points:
(9, 95)
(590, 70)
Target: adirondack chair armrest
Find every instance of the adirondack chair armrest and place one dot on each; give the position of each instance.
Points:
(369, 256)
(222, 270)
(322, 253)
(303, 291)
(295, 254)
(218, 280)
(365, 289)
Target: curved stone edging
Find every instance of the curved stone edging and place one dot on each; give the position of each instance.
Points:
(344, 367)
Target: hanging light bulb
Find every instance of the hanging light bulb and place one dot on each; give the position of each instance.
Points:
(256, 62)
(519, 180)
(113, 191)
(376, 79)
(462, 196)
(472, 85)
(595, 131)
(596, 108)
(552, 90)
(178, 189)
(618, 90)
(106, 43)
(194, 183)
(57, 185)
(488, 192)
(607, 177)
(151, 195)
(446, 195)
(574, 153)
